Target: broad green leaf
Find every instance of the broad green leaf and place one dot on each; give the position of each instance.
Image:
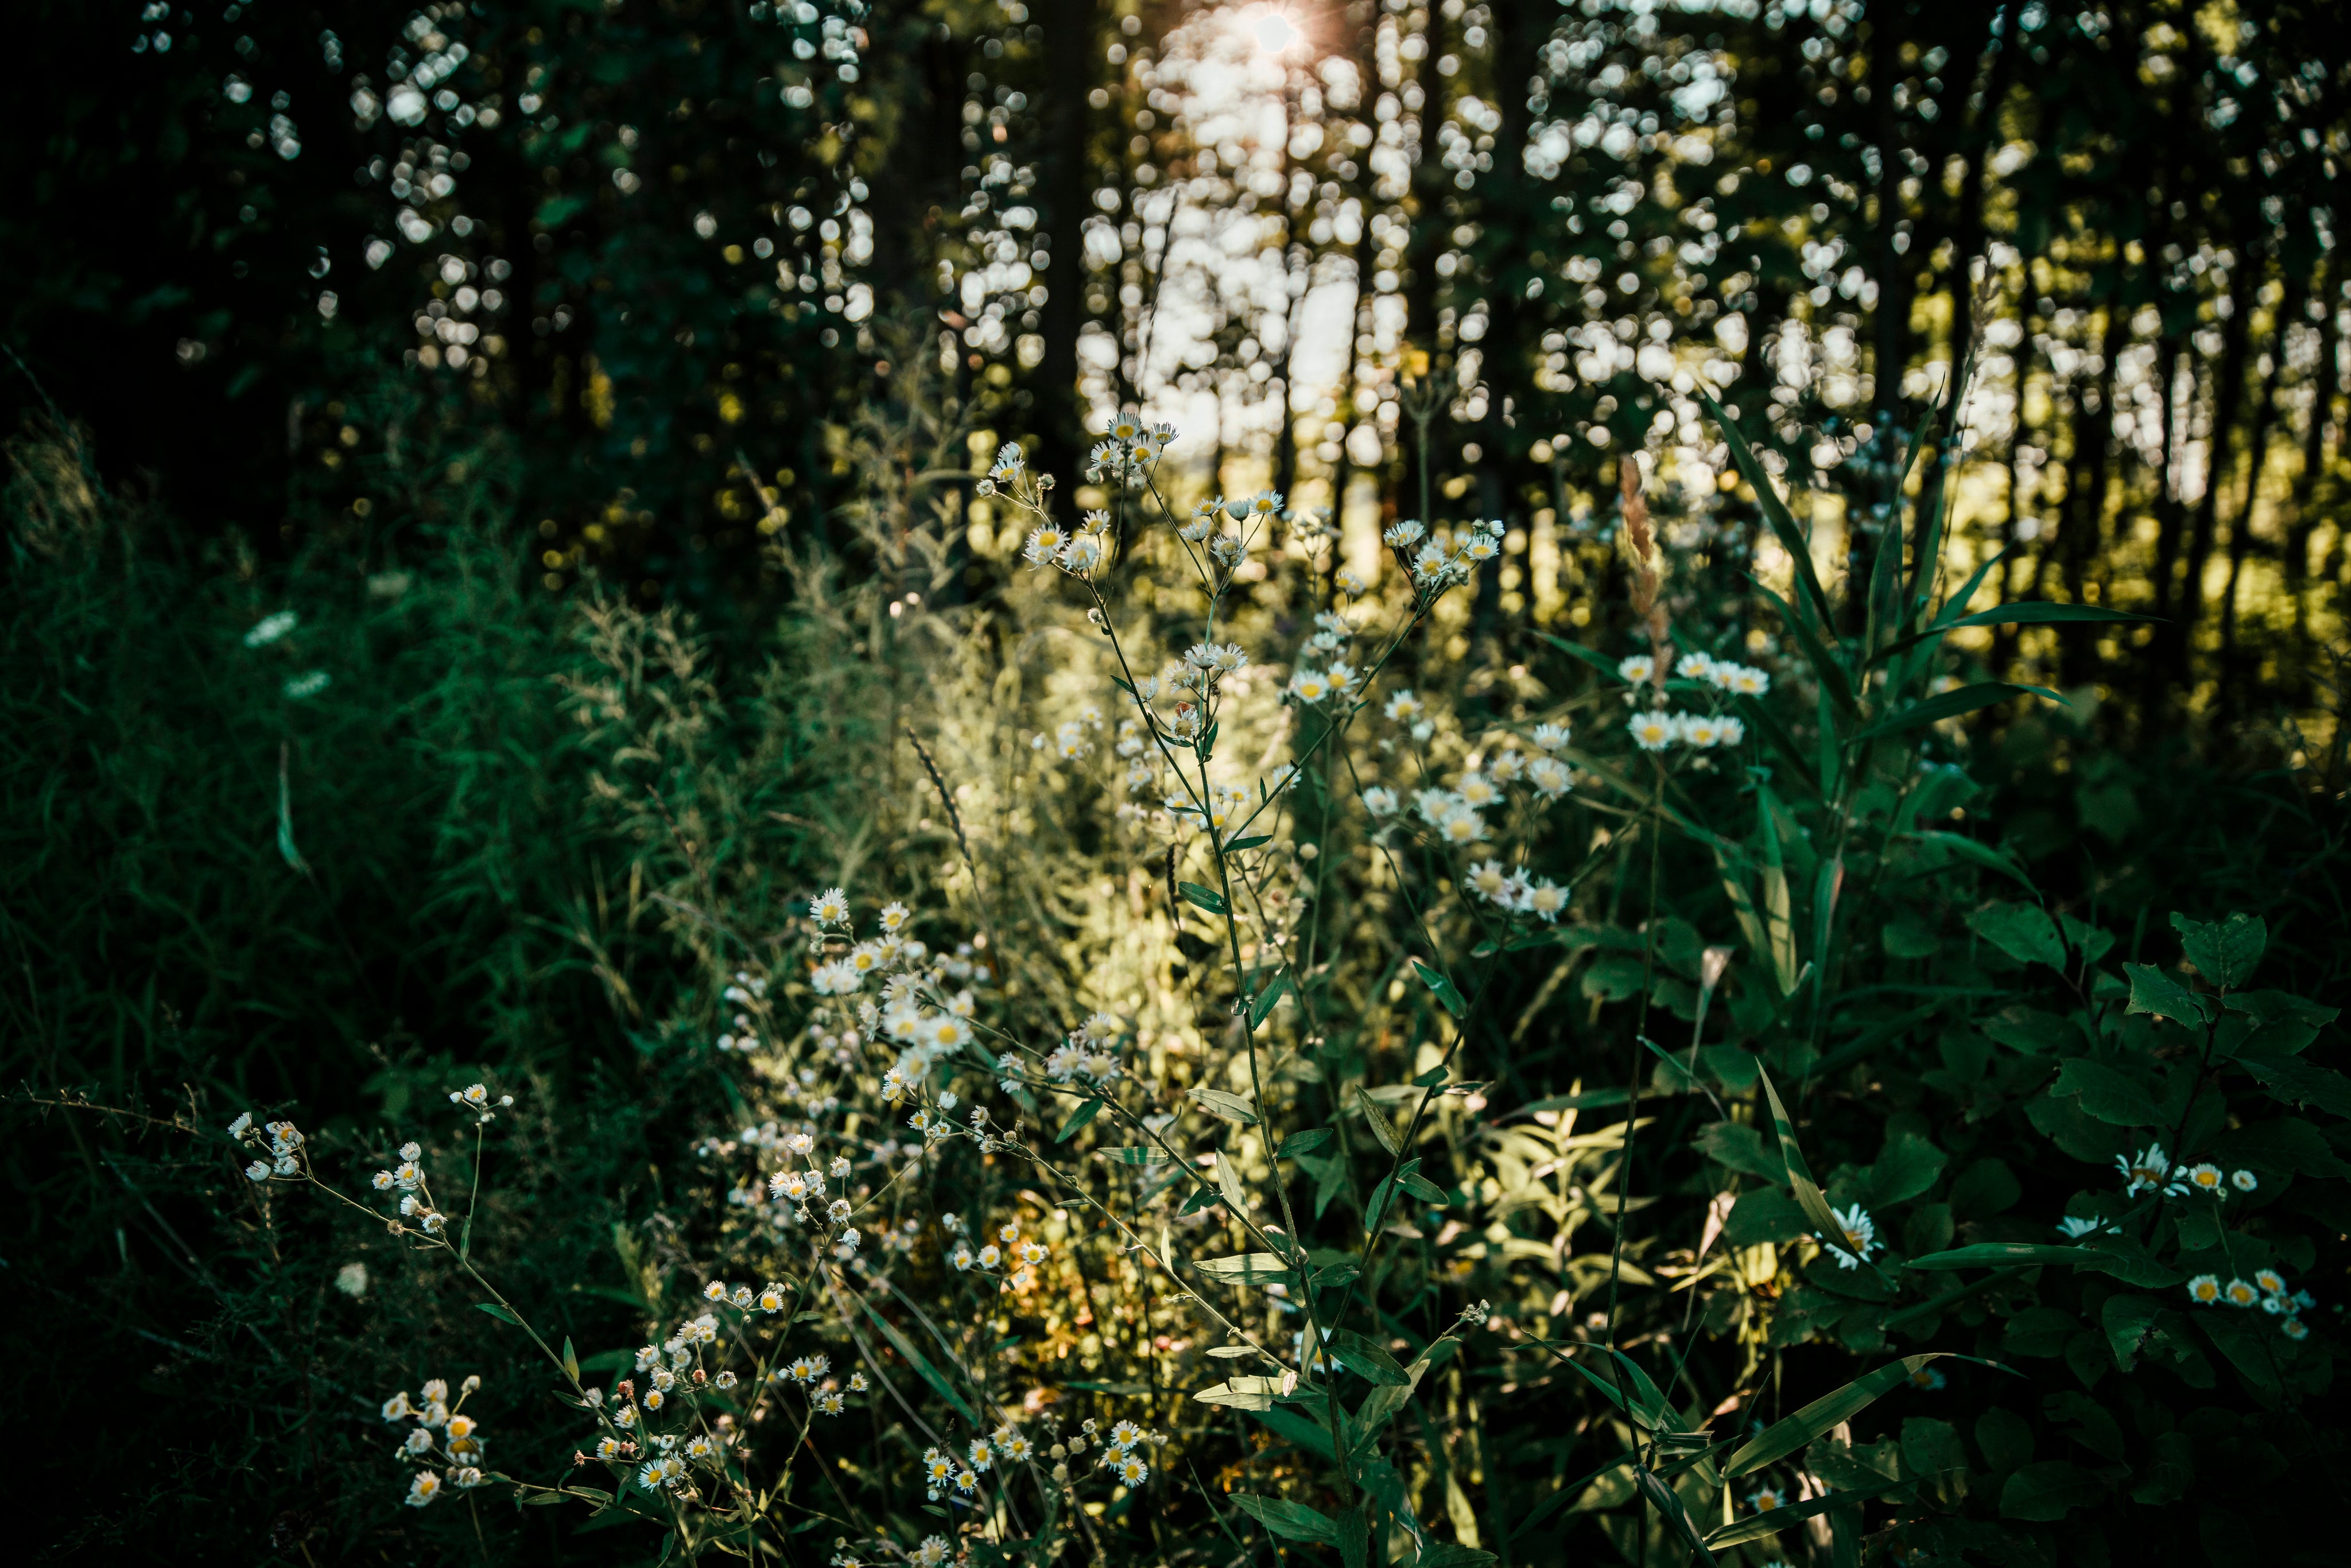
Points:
(2007, 1255)
(1231, 1107)
(2025, 932)
(1447, 995)
(1138, 1155)
(1293, 1520)
(1739, 1147)
(2225, 952)
(1304, 1142)
(1229, 1181)
(2153, 991)
(1086, 1111)
(1800, 1176)
(2112, 1096)
(1311, 1436)
(922, 1368)
(1785, 1436)
(1773, 1520)
(1206, 898)
(1906, 1166)
(497, 1311)
(1951, 704)
(2129, 1319)
(2047, 1490)
(2299, 1083)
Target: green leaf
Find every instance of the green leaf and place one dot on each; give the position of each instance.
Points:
(1205, 898)
(1304, 1142)
(1968, 848)
(922, 1368)
(1269, 998)
(1661, 1497)
(1773, 1520)
(1785, 1436)
(497, 1311)
(2153, 991)
(2048, 1490)
(1311, 1436)
(1382, 1128)
(570, 1361)
(1245, 1268)
(2112, 1096)
(1242, 1393)
(1951, 704)
(1231, 1107)
(1293, 1520)
(1446, 994)
(2299, 1083)
(1594, 657)
(1138, 1155)
(1366, 1359)
(2225, 952)
(1249, 843)
(1086, 1111)
(1906, 1166)
(2032, 613)
(1800, 1176)
(1453, 1555)
(2025, 932)
(1775, 511)
(2007, 1255)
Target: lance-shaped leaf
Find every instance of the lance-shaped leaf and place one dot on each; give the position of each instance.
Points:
(1951, 704)
(1660, 1496)
(1206, 898)
(1382, 1128)
(1785, 1436)
(2009, 1255)
(922, 1368)
(1775, 511)
(2032, 613)
(1086, 1111)
(1834, 683)
(1447, 994)
(1268, 999)
(1363, 1357)
(1231, 1107)
(1242, 1393)
(1808, 1196)
(1772, 1520)
(1293, 1520)
(1246, 1268)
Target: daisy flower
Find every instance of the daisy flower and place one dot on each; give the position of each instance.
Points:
(1860, 1237)
(829, 907)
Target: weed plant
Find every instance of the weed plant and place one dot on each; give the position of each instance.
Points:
(1194, 1055)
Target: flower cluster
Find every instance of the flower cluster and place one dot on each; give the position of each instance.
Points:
(1437, 562)
(2267, 1288)
(1087, 1054)
(1130, 450)
(283, 1143)
(1722, 675)
(1011, 1254)
(2152, 1170)
(1514, 892)
(445, 1443)
(1657, 730)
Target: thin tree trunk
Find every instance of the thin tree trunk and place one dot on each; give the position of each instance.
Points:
(2303, 520)
(2081, 535)
(2257, 445)
(2228, 396)
(1063, 191)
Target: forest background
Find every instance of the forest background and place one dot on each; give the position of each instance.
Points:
(447, 325)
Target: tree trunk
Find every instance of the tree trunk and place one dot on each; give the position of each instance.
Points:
(2257, 445)
(1064, 190)
(2228, 395)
